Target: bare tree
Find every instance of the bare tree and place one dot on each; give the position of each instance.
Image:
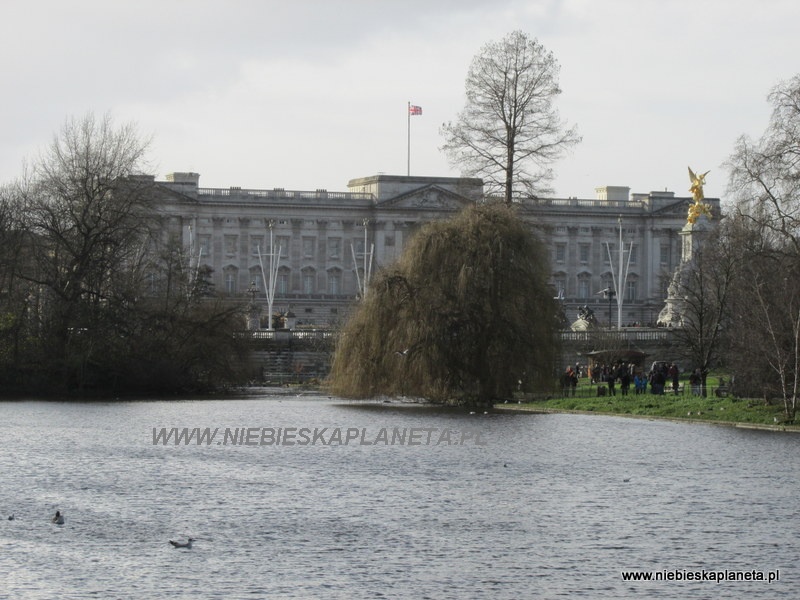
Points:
(509, 132)
(765, 173)
(113, 303)
(87, 217)
(765, 179)
(705, 285)
(766, 324)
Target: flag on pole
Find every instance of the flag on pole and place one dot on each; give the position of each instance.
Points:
(413, 110)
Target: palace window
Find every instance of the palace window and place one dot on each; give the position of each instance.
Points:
(584, 250)
(630, 290)
(282, 285)
(583, 287)
(230, 275)
(205, 246)
(561, 286)
(283, 243)
(257, 281)
(308, 281)
(634, 250)
(561, 253)
(608, 250)
(257, 245)
(334, 281)
(308, 247)
(230, 244)
(334, 248)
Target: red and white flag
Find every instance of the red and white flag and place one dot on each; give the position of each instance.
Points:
(414, 110)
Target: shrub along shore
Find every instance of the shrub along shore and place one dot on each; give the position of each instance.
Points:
(725, 410)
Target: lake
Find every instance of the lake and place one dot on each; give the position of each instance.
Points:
(387, 500)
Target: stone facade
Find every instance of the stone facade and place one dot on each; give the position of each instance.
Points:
(325, 239)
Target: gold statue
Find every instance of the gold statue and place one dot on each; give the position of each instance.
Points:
(698, 181)
(698, 207)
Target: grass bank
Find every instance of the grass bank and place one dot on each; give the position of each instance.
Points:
(683, 406)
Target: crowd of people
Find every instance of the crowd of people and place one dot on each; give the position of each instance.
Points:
(663, 377)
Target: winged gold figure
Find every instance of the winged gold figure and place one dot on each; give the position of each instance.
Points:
(698, 207)
(698, 181)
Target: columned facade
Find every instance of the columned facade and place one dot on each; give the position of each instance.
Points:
(327, 242)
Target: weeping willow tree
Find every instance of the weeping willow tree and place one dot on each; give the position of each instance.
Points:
(465, 316)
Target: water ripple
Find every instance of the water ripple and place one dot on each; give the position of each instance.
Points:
(551, 506)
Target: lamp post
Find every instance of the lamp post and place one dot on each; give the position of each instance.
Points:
(610, 294)
(253, 321)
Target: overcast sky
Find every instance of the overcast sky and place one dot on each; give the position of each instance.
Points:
(305, 94)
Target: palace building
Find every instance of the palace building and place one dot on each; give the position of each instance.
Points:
(326, 244)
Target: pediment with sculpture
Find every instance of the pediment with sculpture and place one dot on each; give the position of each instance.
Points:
(429, 197)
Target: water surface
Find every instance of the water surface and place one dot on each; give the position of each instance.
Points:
(547, 506)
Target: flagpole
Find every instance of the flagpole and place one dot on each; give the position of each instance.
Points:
(621, 284)
(408, 129)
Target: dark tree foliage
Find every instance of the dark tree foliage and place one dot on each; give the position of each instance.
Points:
(466, 316)
(15, 305)
(179, 349)
(765, 361)
(96, 296)
(764, 337)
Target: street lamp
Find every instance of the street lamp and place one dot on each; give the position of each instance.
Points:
(610, 294)
(253, 323)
